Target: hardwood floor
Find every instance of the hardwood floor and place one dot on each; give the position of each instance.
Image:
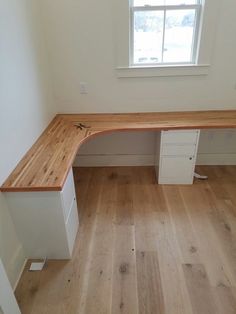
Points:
(144, 248)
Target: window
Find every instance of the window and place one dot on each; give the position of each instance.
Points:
(164, 32)
(159, 38)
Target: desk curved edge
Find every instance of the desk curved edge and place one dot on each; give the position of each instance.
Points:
(46, 165)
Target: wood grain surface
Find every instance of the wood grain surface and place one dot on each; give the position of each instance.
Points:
(174, 252)
(45, 166)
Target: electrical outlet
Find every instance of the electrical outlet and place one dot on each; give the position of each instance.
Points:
(83, 88)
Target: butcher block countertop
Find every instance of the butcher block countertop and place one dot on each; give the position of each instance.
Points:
(45, 166)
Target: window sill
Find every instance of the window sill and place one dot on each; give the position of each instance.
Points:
(162, 71)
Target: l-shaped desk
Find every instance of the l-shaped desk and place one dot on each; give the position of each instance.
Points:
(40, 191)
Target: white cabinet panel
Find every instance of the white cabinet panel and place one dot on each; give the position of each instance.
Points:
(72, 226)
(176, 161)
(40, 223)
(176, 170)
(46, 222)
(178, 150)
(68, 194)
(179, 137)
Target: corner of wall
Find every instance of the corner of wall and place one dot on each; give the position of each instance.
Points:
(16, 266)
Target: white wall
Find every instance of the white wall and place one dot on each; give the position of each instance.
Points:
(118, 149)
(25, 105)
(216, 147)
(8, 304)
(81, 46)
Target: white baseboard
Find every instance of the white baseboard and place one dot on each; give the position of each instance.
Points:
(19, 274)
(216, 159)
(16, 266)
(146, 160)
(113, 160)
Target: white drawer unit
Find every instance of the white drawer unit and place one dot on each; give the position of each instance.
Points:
(68, 194)
(179, 137)
(178, 150)
(176, 156)
(46, 222)
(72, 225)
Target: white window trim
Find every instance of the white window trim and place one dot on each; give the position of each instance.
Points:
(207, 31)
(165, 8)
(163, 70)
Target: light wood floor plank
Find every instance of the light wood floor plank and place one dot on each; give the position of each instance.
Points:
(209, 248)
(124, 214)
(160, 234)
(146, 231)
(124, 278)
(182, 224)
(174, 289)
(150, 294)
(199, 288)
(97, 297)
(27, 289)
(225, 299)
(143, 248)
(223, 220)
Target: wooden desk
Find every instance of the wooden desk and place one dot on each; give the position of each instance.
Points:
(44, 210)
(46, 165)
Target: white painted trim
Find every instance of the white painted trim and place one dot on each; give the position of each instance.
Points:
(146, 160)
(163, 70)
(14, 267)
(8, 303)
(113, 160)
(121, 24)
(216, 159)
(165, 8)
(20, 274)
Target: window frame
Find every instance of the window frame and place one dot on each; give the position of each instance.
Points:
(121, 51)
(196, 35)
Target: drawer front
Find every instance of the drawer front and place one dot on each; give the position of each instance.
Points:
(178, 150)
(180, 137)
(68, 194)
(177, 170)
(72, 225)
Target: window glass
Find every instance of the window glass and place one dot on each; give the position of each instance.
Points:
(179, 32)
(148, 2)
(148, 36)
(163, 2)
(164, 34)
(180, 2)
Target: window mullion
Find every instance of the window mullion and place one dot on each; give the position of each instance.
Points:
(166, 7)
(163, 36)
(196, 34)
(131, 37)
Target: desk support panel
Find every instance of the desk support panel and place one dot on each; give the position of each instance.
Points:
(45, 227)
(175, 162)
